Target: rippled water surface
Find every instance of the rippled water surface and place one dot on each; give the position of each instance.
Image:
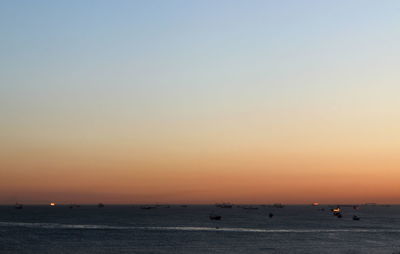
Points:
(130, 229)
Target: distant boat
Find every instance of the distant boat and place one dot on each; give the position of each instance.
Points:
(224, 205)
(355, 217)
(215, 217)
(184, 206)
(18, 206)
(250, 207)
(100, 205)
(278, 205)
(147, 207)
(337, 212)
(270, 215)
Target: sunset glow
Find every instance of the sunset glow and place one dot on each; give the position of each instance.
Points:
(177, 102)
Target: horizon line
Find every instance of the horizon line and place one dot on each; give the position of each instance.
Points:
(163, 204)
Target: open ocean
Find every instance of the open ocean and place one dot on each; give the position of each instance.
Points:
(130, 229)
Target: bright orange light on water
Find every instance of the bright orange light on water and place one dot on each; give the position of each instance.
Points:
(315, 204)
(52, 204)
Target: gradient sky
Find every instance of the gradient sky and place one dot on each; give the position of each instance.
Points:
(199, 101)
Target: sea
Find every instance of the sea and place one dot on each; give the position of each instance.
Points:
(188, 229)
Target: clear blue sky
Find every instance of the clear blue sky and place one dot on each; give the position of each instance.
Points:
(166, 50)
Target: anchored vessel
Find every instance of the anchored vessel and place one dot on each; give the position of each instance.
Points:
(224, 205)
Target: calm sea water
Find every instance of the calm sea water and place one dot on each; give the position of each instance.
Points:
(130, 229)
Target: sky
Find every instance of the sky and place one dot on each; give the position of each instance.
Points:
(199, 101)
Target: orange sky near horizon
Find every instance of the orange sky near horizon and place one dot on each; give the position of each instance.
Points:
(245, 173)
(299, 156)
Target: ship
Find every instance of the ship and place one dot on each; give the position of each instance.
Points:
(224, 205)
(147, 207)
(250, 207)
(337, 212)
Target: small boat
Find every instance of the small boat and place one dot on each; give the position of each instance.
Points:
(215, 217)
(147, 207)
(355, 217)
(270, 215)
(250, 207)
(278, 205)
(18, 206)
(100, 205)
(224, 205)
(337, 212)
(184, 206)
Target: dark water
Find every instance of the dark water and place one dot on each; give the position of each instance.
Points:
(129, 229)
